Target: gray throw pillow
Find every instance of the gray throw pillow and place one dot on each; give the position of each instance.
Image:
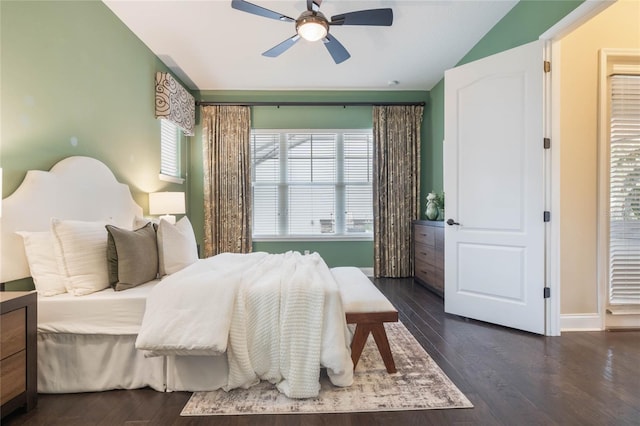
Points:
(132, 256)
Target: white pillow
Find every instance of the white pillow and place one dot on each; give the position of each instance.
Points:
(81, 253)
(38, 247)
(177, 246)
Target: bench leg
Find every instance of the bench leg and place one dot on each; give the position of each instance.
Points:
(358, 342)
(380, 337)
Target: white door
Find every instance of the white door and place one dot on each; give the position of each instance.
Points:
(494, 184)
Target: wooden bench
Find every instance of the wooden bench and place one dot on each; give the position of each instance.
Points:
(367, 308)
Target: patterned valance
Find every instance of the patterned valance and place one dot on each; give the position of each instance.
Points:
(174, 103)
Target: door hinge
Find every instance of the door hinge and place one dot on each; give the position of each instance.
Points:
(547, 143)
(547, 292)
(546, 216)
(547, 66)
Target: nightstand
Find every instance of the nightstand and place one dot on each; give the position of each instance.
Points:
(18, 353)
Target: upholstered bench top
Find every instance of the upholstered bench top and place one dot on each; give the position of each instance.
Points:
(358, 293)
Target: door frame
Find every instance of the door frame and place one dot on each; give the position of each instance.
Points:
(552, 37)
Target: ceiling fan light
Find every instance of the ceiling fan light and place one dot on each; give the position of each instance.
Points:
(312, 28)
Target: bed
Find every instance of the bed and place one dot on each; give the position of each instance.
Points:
(93, 338)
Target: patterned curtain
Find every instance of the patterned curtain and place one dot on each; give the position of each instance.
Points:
(227, 179)
(396, 187)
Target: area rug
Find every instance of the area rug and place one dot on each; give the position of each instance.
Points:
(419, 384)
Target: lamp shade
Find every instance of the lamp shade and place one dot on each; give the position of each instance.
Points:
(166, 203)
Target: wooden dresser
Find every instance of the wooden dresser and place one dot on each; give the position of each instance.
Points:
(18, 356)
(428, 254)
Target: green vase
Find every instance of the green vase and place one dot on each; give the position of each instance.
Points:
(432, 210)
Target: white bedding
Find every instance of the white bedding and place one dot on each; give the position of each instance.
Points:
(279, 317)
(104, 312)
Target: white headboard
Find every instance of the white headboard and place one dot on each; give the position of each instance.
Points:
(78, 188)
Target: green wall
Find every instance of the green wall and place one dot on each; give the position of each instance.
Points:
(523, 24)
(76, 81)
(526, 22)
(338, 253)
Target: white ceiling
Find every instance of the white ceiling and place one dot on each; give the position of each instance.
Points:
(211, 46)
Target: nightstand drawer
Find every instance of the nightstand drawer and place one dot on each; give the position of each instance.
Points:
(13, 376)
(18, 350)
(13, 336)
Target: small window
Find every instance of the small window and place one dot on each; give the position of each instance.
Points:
(170, 152)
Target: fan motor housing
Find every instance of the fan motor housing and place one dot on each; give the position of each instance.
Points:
(309, 17)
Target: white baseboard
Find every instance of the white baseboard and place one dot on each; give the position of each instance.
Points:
(580, 322)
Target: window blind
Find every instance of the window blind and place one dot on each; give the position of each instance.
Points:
(265, 177)
(169, 149)
(624, 190)
(312, 183)
(358, 173)
(311, 178)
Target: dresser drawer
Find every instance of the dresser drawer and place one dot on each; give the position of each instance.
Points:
(429, 255)
(424, 235)
(13, 336)
(424, 270)
(13, 376)
(430, 274)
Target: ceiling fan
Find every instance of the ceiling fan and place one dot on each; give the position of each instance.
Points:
(312, 25)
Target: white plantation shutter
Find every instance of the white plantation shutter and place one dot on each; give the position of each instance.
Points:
(624, 225)
(169, 149)
(312, 183)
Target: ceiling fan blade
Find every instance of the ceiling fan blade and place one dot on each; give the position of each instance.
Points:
(279, 49)
(378, 17)
(313, 5)
(245, 6)
(336, 49)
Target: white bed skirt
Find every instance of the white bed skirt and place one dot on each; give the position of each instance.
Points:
(70, 363)
(196, 373)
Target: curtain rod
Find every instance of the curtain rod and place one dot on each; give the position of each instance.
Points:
(279, 104)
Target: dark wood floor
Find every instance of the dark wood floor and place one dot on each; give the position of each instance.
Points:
(511, 377)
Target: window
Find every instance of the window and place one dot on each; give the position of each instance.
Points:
(170, 152)
(314, 183)
(624, 191)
